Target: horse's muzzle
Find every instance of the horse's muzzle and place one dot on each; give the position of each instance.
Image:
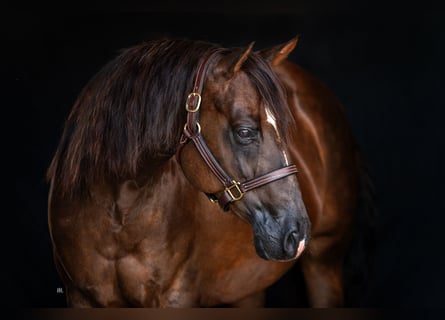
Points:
(276, 242)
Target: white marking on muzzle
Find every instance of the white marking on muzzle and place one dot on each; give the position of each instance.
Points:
(301, 247)
(270, 119)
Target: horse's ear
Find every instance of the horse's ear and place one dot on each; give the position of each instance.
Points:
(275, 55)
(237, 66)
(235, 60)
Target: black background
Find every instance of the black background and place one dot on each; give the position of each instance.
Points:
(383, 59)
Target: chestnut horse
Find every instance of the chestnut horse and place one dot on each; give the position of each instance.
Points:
(129, 212)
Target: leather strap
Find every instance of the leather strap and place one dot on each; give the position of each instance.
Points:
(193, 102)
(233, 190)
(209, 159)
(225, 198)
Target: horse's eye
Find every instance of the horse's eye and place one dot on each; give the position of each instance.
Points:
(246, 135)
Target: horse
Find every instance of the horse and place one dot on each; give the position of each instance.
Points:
(191, 175)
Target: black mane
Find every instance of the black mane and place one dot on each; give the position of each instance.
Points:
(131, 112)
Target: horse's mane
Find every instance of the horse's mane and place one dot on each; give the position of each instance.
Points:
(131, 112)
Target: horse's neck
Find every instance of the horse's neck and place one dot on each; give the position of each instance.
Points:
(322, 134)
(162, 190)
(168, 202)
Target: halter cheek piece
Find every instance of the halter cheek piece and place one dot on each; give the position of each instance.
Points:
(233, 190)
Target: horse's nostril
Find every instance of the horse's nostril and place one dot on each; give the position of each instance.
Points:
(290, 243)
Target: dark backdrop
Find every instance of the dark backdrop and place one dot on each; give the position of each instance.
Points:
(384, 60)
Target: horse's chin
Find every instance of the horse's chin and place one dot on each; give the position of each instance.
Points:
(277, 254)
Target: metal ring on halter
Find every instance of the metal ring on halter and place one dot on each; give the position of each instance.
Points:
(197, 125)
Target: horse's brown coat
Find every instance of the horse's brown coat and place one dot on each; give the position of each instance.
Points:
(155, 239)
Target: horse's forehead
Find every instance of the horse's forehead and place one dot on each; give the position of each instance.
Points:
(239, 93)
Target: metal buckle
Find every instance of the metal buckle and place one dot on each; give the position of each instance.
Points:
(229, 189)
(192, 95)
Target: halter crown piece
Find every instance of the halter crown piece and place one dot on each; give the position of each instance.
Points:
(233, 190)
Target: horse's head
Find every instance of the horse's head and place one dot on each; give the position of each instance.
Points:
(242, 161)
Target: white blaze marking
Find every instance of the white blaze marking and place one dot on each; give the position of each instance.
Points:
(270, 119)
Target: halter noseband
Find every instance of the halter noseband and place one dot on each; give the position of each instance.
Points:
(233, 190)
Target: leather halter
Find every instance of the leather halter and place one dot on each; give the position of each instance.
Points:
(233, 190)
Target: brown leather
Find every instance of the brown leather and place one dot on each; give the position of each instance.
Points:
(268, 177)
(225, 198)
(209, 159)
(233, 190)
(192, 101)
